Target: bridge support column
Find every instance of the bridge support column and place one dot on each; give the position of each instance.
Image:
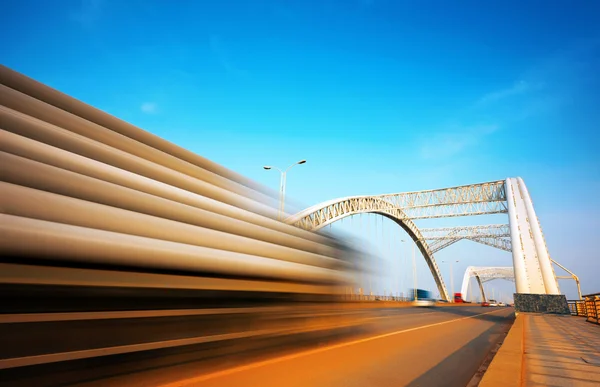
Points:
(536, 285)
(550, 283)
(483, 299)
(528, 276)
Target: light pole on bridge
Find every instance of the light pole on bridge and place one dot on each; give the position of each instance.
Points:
(414, 263)
(282, 186)
(452, 278)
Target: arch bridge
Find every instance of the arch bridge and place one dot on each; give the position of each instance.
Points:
(533, 270)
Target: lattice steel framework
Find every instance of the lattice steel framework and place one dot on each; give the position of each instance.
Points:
(474, 199)
(495, 235)
(483, 231)
(531, 259)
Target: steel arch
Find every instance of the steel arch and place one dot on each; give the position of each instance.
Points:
(317, 217)
(485, 274)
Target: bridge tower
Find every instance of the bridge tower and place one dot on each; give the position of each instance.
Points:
(531, 261)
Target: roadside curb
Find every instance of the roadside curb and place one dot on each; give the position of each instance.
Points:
(506, 368)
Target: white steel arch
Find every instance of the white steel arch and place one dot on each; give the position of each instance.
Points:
(523, 235)
(485, 274)
(338, 209)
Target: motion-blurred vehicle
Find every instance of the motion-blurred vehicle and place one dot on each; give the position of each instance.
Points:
(422, 298)
(458, 298)
(493, 303)
(485, 303)
(501, 303)
(426, 302)
(147, 229)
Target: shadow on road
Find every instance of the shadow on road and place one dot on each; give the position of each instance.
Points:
(465, 362)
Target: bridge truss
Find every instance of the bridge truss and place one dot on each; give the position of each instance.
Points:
(531, 260)
(495, 235)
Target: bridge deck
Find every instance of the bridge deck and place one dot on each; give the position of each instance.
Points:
(547, 350)
(442, 346)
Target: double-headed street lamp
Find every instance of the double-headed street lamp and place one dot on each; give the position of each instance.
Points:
(452, 279)
(282, 186)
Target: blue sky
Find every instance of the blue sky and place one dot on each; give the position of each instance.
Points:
(379, 96)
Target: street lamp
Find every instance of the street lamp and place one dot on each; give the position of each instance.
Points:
(414, 262)
(282, 186)
(451, 278)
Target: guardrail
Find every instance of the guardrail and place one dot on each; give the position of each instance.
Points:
(589, 307)
(592, 305)
(577, 307)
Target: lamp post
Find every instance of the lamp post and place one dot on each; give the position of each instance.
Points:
(451, 278)
(282, 186)
(414, 264)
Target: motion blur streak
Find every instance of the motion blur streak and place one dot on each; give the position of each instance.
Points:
(13, 82)
(122, 252)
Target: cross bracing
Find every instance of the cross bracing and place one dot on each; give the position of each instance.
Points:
(456, 209)
(495, 235)
(468, 200)
(499, 243)
(483, 231)
(466, 194)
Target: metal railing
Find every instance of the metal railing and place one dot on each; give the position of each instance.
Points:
(577, 308)
(589, 307)
(592, 306)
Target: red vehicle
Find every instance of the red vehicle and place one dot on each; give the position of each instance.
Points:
(485, 303)
(458, 298)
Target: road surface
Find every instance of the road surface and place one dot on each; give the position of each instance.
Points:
(442, 346)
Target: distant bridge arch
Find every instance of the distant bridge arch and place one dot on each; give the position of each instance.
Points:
(485, 274)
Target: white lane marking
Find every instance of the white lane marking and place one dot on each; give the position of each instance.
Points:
(234, 370)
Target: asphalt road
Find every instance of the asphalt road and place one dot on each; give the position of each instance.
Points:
(442, 346)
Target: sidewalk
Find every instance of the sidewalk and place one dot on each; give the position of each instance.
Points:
(547, 350)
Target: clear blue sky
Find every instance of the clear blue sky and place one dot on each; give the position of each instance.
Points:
(379, 96)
